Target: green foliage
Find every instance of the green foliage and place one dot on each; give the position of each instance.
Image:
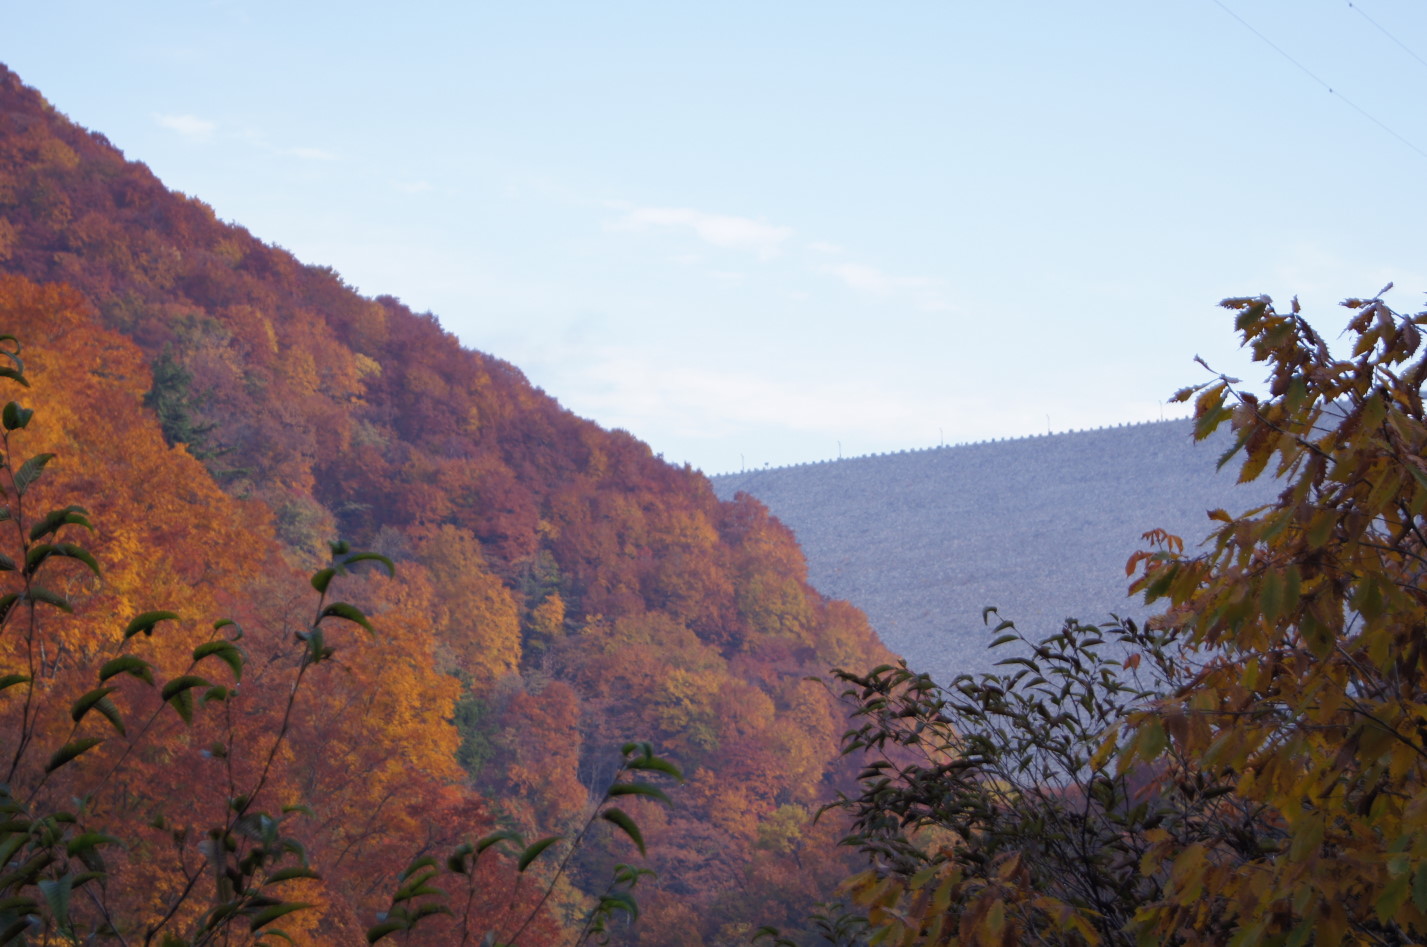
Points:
(302, 524)
(173, 401)
(420, 897)
(987, 805)
(476, 726)
(54, 853)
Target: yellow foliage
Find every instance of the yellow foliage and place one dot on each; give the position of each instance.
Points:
(1310, 614)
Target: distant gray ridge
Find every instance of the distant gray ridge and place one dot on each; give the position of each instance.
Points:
(1040, 527)
(935, 447)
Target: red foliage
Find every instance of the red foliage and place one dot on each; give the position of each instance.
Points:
(331, 413)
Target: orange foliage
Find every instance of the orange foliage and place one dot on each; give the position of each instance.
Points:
(371, 747)
(590, 592)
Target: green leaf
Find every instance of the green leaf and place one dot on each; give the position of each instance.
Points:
(13, 354)
(619, 901)
(322, 579)
(30, 470)
(657, 764)
(639, 789)
(428, 909)
(270, 914)
(317, 649)
(146, 623)
(417, 886)
(1419, 887)
(1233, 450)
(1151, 740)
(1271, 594)
(179, 693)
(97, 699)
(89, 841)
(38, 594)
(86, 703)
(350, 612)
(458, 861)
(111, 713)
(11, 933)
(1394, 893)
(16, 417)
(621, 818)
(183, 683)
(56, 892)
(425, 861)
(288, 874)
(505, 835)
(376, 557)
(533, 852)
(127, 664)
(226, 652)
(19, 904)
(69, 751)
(385, 928)
(55, 519)
(10, 680)
(86, 848)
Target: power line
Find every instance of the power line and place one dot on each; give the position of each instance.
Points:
(1381, 29)
(1316, 78)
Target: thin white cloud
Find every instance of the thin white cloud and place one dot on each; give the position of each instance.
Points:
(720, 230)
(189, 126)
(310, 154)
(822, 246)
(925, 291)
(413, 187)
(687, 404)
(869, 279)
(633, 390)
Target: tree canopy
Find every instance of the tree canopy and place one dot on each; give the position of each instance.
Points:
(1255, 771)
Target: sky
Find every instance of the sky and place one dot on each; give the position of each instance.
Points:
(765, 233)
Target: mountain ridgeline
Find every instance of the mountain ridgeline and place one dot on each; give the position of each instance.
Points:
(558, 589)
(1039, 528)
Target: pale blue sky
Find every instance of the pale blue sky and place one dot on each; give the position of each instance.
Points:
(762, 232)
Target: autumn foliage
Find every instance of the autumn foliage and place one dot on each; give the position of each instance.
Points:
(139, 741)
(180, 704)
(1313, 706)
(1252, 770)
(559, 589)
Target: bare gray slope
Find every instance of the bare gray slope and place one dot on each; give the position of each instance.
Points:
(1039, 527)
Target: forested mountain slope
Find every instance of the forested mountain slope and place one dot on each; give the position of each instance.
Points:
(566, 588)
(1038, 527)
